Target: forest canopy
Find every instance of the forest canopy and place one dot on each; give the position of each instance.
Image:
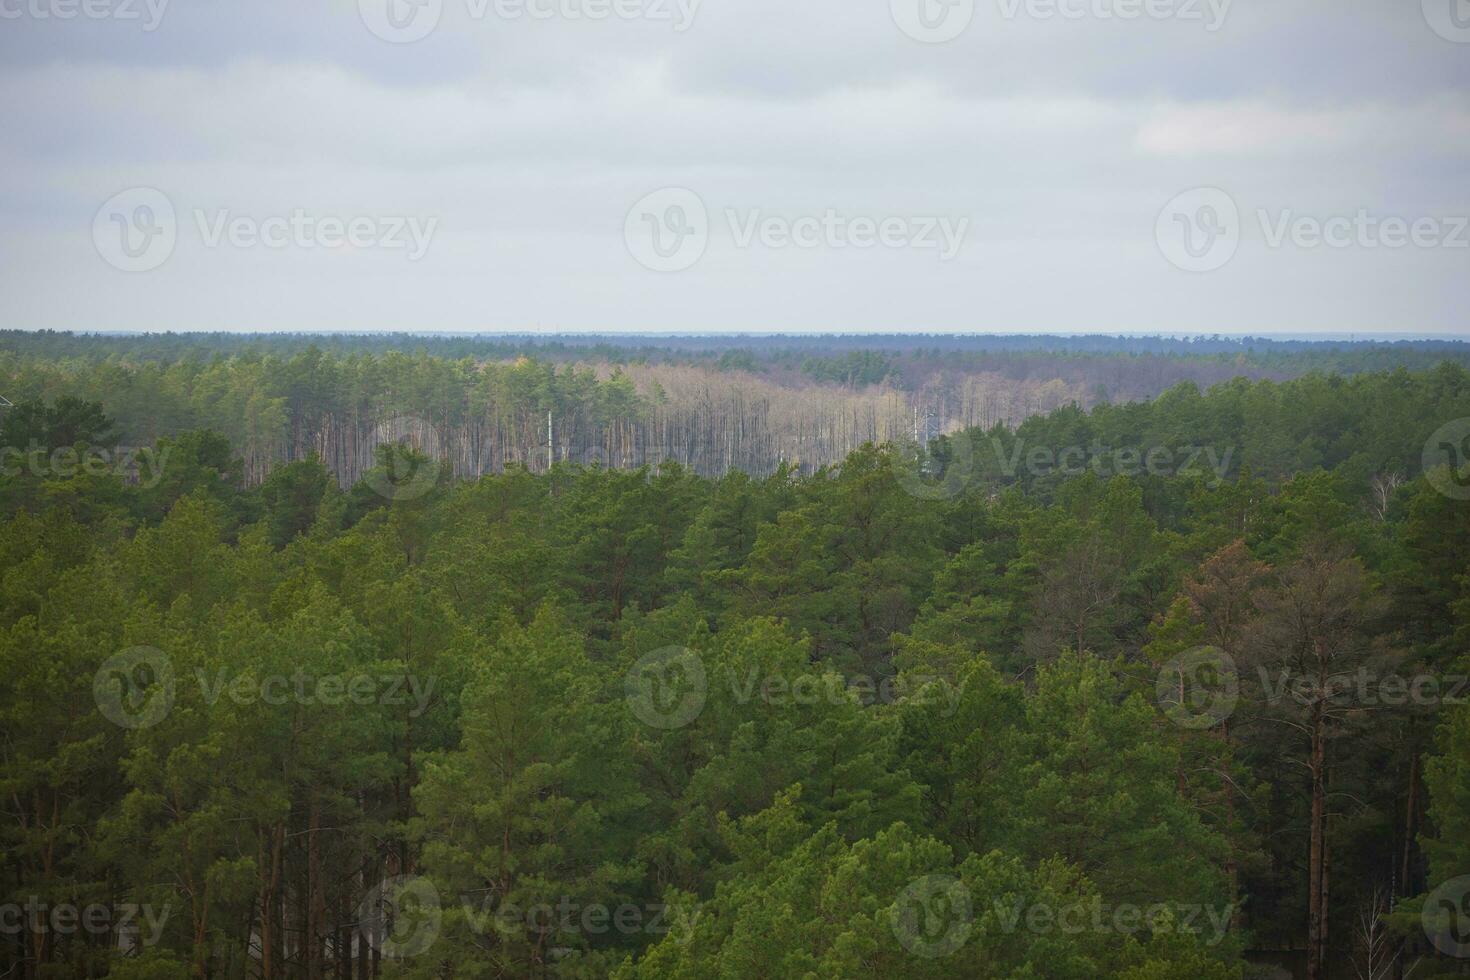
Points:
(1140, 688)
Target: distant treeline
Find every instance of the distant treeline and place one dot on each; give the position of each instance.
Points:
(482, 404)
(479, 417)
(753, 350)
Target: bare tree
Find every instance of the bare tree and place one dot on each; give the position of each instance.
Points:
(1384, 486)
(1376, 953)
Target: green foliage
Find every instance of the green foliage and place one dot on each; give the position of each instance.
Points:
(855, 369)
(793, 718)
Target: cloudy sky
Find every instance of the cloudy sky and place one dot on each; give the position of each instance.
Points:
(660, 165)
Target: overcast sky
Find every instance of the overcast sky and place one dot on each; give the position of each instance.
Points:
(854, 165)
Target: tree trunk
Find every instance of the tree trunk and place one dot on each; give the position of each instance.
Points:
(1323, 948)
(342, 948)
(316, 911)
(1411, 819)
(1316, 862)
(269, 907)
(362, 922)
(1232, 863)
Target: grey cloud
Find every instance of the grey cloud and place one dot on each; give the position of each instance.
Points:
(529, 141)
